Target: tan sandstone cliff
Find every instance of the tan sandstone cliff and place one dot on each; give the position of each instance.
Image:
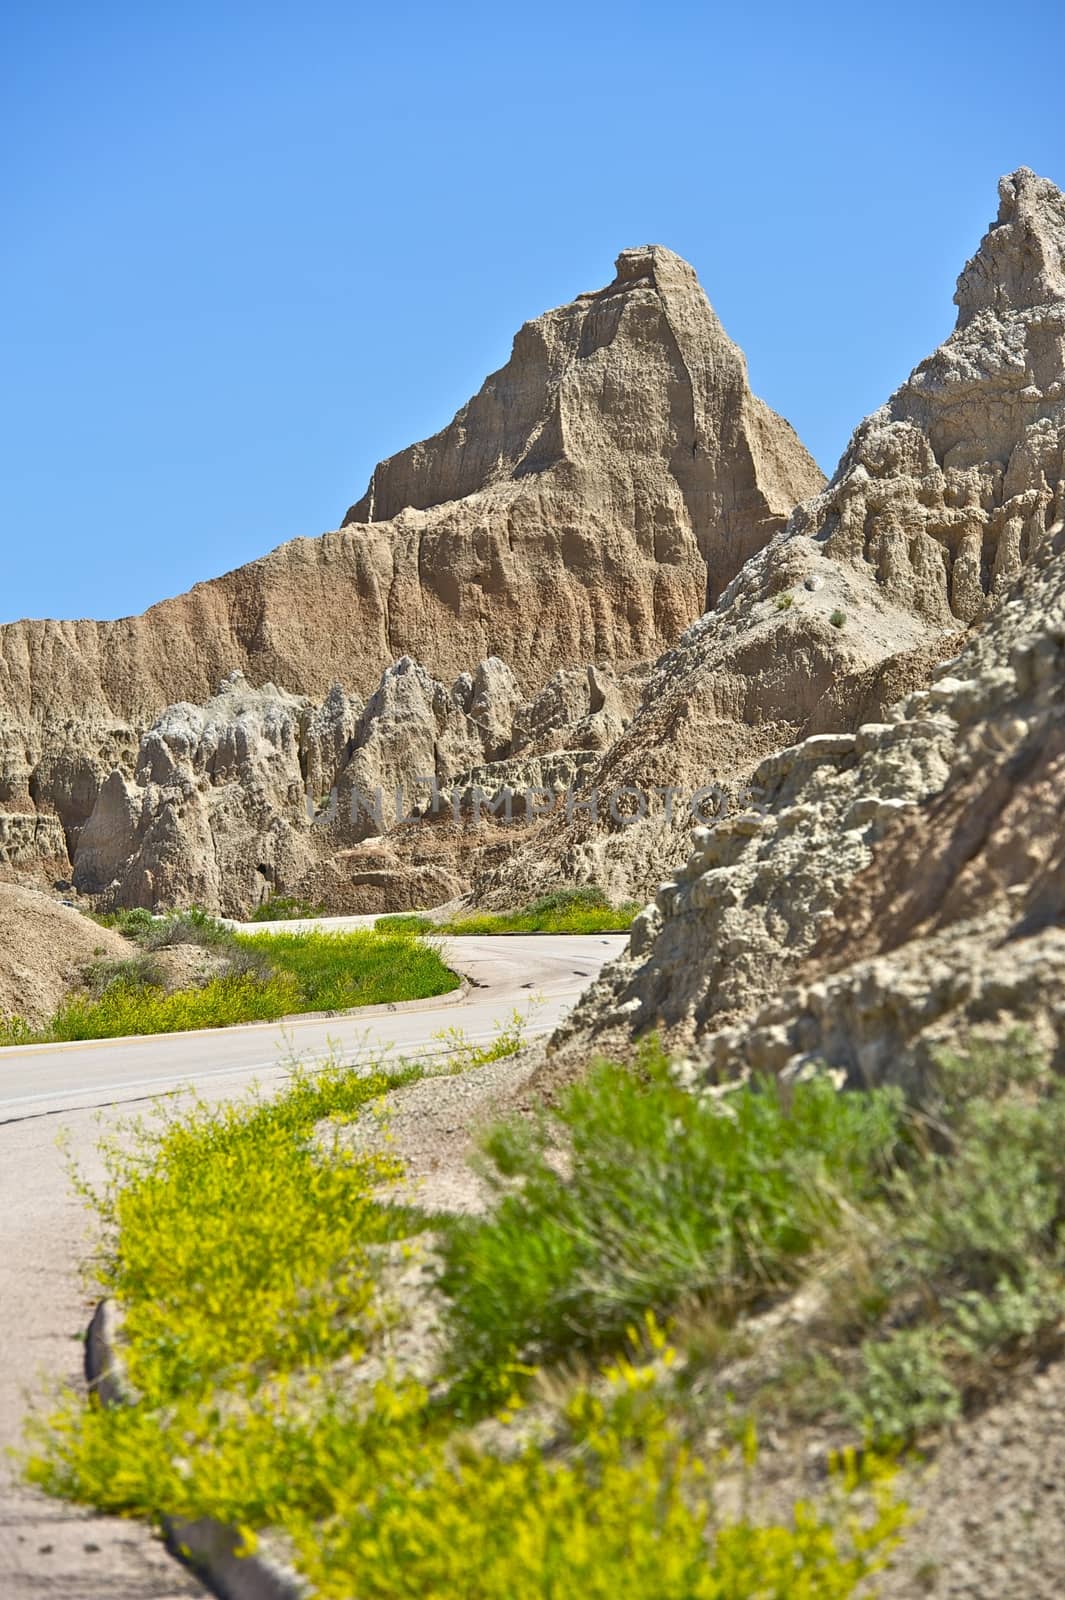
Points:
(611, 476)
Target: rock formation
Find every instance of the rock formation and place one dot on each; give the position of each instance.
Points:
(611, 476)
(214, 813)
(261, 792)
(607, 482)
(889, 891)
(947, 490)
(890, 888)
(941, 498)
(565, 447)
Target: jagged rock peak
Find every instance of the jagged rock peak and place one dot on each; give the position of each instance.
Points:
(1021, 259)
(632, 383)
(953, 485)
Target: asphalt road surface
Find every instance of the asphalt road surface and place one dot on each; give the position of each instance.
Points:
(71, 1094)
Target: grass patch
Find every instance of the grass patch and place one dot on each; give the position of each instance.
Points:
(409, 922)
(284, 908)
(242, 1244)
(576, 910)
(267, 976)
(337, 971)
(134, 1008)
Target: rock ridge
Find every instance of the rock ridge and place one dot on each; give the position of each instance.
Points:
(579, 487)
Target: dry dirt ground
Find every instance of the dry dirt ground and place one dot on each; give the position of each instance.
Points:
(44, 947)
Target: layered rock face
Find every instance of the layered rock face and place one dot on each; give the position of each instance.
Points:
(627, 412)
(943, 495)
(614, 473)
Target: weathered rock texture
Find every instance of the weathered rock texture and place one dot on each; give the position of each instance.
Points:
(942, 497)
(889, 890)
(579, 509)
(948, 489)
(215, 810)
(261, 792)
(627, 412)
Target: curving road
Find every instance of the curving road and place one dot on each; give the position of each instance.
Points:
(73, 1093)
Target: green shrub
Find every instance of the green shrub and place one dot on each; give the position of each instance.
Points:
(135, 924)
(905, 1387)
(664, 1198)
(193, 926)
(464, 1055)
(243, 1243)
(234, 1242)
(972, 1271)
(16, 1030)
(838, 618)
(785, 601)
(136, 972)
(628, 1510)
(380, 1502)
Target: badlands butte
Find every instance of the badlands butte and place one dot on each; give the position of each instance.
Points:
(617, 567)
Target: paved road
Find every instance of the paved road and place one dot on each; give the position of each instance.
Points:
(75, 1092)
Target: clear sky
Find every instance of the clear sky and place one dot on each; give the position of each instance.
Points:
(248, 250)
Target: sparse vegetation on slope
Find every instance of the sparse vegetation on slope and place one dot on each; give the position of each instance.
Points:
(931, 1240)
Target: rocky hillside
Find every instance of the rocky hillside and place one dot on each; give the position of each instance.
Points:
(942, 497)
(891, 887)
(613, 475)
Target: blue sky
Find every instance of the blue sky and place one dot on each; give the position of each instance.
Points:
(246, 251)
